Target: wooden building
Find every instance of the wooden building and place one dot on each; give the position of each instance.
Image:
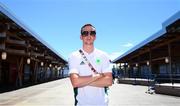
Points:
(24, 57)
(158, 55)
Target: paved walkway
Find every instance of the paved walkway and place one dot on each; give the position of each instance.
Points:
(59, 93)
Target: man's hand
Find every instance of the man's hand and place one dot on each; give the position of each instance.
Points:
(103, 81)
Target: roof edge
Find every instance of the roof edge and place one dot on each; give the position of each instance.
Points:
(166, 23)
(12, 16)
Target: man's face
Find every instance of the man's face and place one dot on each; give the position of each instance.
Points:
(88, 35)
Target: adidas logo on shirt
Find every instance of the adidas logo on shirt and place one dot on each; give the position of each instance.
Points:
(82, 63)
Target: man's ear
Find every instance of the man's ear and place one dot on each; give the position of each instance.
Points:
(80, 37)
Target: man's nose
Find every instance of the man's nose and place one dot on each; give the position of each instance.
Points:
(89, 34)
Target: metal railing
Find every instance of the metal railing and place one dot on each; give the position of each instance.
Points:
(155, 78)
(167, 78)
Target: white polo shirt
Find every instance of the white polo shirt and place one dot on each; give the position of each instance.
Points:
(89, 95)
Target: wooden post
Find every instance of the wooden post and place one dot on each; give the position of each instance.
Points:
(35, 71)
(170, 62)
(0, 71)
(20, 68)
(150, 61)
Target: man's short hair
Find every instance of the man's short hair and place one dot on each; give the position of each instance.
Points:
(85, 26)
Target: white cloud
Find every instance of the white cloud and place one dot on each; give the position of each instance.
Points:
(128, 45)
(114, 55)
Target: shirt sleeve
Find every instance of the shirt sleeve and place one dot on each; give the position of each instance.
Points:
(106, 67)
(72, 61)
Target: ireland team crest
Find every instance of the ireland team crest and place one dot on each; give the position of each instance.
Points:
(98, 61)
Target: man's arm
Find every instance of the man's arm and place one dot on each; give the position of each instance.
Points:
(104, 81)
(80, 81)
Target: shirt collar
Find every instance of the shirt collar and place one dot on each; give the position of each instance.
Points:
(88, 53)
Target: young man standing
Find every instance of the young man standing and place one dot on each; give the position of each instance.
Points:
(90, 71)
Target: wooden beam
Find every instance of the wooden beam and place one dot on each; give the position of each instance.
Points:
(3, 19)
(16, 42)
(2, 35)
(55, 62)
(14, 51)
(154, 46)
(2, 46)
(159, 58)
(17, 30)
(49, 57)
(3, 27)
(37, 54)
(20, 69)
(15, 35)
(165, 42)
(2, 42)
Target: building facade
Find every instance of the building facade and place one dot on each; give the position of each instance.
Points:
(25, 58)
(157, 56)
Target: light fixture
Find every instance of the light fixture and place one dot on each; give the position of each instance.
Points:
(147, 63)
(28, 61)
(118, 64)
(59, 68)
(50, 65)
(136, 64)
(166, 60)
(126, 64)
(42, 64)
(4, 55)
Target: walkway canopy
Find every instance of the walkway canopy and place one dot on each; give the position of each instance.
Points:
(163, 46)
(17, 39)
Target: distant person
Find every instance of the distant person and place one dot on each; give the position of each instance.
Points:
(90, 71)
(113, 73)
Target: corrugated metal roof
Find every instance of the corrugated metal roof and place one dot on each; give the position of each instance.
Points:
(172, 19)
(10, 14)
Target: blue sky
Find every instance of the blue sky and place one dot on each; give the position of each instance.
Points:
(120, 24)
